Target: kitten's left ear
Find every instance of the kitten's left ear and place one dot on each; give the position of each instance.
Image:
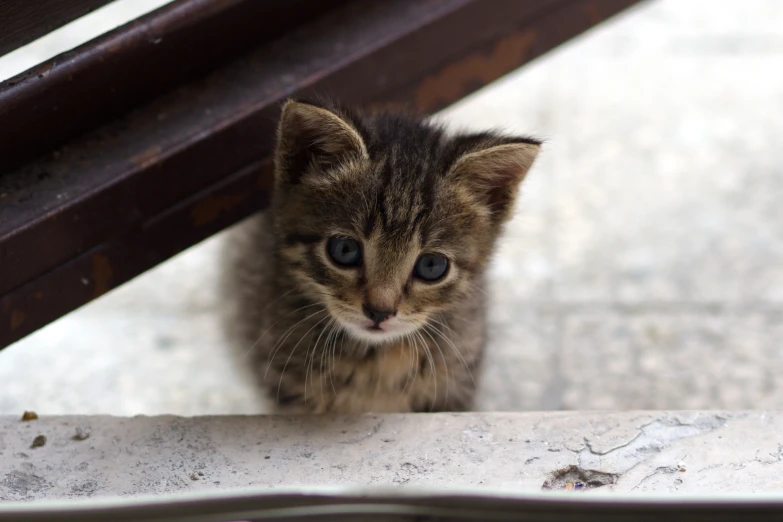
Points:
(313, 136)
(493, 167)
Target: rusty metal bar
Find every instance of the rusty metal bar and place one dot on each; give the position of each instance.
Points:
(109, 205)
(22, 21)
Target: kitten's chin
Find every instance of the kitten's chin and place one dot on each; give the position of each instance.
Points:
(377, 335)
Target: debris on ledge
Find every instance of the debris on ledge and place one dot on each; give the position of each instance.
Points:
(578, 452)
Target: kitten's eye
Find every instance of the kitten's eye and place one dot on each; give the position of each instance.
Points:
(431, 267)
(344, 251)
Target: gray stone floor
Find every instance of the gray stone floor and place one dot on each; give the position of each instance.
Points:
(644, 268)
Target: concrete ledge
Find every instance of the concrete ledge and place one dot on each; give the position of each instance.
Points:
(655, 452)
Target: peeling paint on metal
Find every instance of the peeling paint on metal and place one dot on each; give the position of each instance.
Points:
(101, 275)
(478, 68)
(17, 318)
(211, 207)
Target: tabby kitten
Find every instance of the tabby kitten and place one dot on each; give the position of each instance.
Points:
(361, 288)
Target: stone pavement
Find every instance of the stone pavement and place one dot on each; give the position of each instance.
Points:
(644, 269)
(648, 453)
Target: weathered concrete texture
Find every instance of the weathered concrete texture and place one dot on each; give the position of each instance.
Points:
(621, 452)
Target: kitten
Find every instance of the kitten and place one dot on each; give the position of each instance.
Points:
(361, 288)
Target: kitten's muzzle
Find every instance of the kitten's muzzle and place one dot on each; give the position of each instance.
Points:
(377, 316)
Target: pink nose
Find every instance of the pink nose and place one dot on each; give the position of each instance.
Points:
(375, 315)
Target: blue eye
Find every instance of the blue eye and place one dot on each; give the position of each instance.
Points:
(344, 251)
(431, 267)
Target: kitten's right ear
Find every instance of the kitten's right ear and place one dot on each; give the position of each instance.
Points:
(309, 136)
(493, 166)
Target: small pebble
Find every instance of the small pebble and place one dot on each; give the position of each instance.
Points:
(29, 415)
(681, 466)
(38, 442)
(81, 434)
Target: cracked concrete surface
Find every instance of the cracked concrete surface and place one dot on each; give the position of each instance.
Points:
(649, 439)
(690, 452)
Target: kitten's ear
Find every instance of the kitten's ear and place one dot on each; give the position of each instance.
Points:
(311, 135)
(493, 167)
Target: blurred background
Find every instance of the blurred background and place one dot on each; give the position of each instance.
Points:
(643, 269)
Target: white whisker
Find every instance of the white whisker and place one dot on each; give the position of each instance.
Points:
(445, 364)
(431, 361)
(332, 354)
(409, 339)
(454, 348)
(331, 338)
(280, 382)
(310, 359)
(279, 344)
(255, 344)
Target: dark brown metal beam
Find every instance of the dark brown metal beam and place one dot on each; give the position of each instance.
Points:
(103, 79)
(22, 21)
(109, 205)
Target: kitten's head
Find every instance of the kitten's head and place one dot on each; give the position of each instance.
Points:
(384, 218)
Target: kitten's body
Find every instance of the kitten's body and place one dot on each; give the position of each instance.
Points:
(401, 190)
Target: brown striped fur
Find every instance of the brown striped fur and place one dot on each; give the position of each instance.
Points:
(400, 186)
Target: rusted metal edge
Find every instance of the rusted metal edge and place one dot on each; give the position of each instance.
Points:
(99, 81)
(194, 162)
(22, 21)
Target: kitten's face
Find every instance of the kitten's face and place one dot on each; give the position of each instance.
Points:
(368, 250)
(389, 223)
